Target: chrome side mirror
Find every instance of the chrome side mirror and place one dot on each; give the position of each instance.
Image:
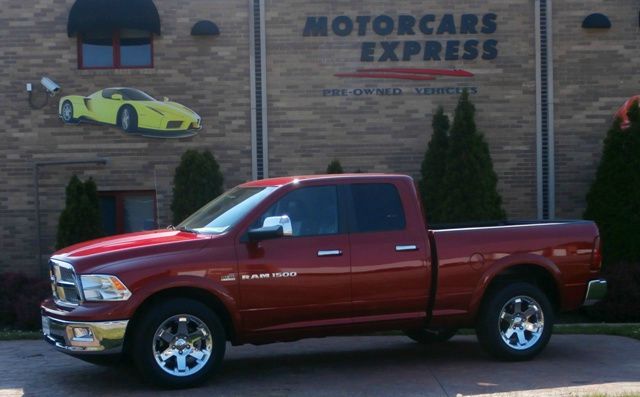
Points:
(284, 221)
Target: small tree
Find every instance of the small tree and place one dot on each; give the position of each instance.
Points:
(197, 181)
(613, 201)
(470, 183)
(80, 220)
(434, 167)
(334, 167)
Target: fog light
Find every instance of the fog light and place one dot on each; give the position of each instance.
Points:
(82, 333)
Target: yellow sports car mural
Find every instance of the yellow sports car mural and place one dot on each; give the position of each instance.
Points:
(132, 110)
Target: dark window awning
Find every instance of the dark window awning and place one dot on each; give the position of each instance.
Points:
(596, 21)
(205, 28)
(93, 15)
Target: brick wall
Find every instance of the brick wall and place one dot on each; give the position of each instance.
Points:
(209, 75)
(390, 133)
(594, 71)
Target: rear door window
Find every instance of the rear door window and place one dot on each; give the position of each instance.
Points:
(376, 207)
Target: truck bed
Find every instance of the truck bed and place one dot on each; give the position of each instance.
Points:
(469, 254)
(503, 223)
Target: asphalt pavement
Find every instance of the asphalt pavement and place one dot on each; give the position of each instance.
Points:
(572, 365)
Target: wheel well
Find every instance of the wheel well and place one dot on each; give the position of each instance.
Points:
(197, 294)
(534, 274)
(118, 115)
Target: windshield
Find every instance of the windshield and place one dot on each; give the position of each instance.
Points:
(227, 210)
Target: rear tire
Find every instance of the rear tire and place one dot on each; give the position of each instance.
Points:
(515, 322)
(178, 343)
(430, 336)
(66, 112)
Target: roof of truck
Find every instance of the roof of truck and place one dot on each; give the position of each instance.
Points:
(285, 180)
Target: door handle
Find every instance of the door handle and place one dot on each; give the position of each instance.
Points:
(409, 247)
(329, 253)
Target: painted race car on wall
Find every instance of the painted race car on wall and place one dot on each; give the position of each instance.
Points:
(132, 110)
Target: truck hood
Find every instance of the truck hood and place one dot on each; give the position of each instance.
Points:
(93, 254)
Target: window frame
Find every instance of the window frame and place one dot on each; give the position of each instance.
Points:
(119, 196)
(115, 43)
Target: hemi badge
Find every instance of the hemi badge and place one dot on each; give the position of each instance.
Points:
(228, 277)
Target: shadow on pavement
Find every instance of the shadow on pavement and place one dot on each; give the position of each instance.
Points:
(372, 365)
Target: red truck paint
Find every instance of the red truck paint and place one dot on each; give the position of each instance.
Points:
(370, 287)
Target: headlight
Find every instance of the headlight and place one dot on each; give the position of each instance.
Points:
(101, 287)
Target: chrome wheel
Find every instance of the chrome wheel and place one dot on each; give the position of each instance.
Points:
(521, 322)
(125, 119)
(182, 345)
(67, 112)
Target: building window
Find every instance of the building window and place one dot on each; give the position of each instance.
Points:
(120, 49)
(125, 212)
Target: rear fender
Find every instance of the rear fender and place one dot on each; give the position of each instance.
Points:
(79, 107)
(505, 263)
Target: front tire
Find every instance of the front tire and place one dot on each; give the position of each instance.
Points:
(128, 119)
(178, 343)
(515, 322)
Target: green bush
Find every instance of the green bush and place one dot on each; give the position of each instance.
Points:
(613, 201)
(80, 220)
(197, 181)
(622, 303)
(335, 167)
(434, 167)
(20, 297)
(469, 183)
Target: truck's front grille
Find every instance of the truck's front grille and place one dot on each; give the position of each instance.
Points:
(64, 283)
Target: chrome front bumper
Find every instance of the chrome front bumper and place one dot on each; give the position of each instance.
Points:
(84, 337)
(596, 291)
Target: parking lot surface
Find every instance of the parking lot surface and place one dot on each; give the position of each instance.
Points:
(572, 365)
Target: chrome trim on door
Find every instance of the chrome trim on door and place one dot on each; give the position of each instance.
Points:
(329, 253)
(400, 248)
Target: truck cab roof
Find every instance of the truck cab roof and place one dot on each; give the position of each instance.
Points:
(281, 181)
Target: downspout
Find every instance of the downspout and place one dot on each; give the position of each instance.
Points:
(258, 79)
(545, 134)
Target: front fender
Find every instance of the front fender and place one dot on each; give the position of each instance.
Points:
(158, 285)
(147, 117)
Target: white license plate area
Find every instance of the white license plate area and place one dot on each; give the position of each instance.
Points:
(46, 328)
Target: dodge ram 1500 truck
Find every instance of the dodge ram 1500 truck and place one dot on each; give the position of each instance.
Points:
(311, 256)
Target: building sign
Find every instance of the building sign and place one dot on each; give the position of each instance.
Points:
(133, 111)
(428, 36)
(396, 91)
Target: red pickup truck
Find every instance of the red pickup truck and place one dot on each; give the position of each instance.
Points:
(289, 258)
